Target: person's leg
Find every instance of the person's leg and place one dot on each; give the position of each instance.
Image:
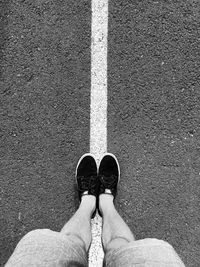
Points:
(47, 248)
(79, 226)
(43, 247)
(115, 232)
(120, 247)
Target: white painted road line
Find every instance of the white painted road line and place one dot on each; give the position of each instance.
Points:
(98, 108)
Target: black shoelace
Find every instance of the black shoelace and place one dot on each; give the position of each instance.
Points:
(109, 182)
(87, 184)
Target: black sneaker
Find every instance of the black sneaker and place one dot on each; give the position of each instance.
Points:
(86, 177)
(109, 176)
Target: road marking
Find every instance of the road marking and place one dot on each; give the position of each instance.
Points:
(98, 108)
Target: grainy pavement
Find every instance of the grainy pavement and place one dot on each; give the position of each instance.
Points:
(153, 116)
(45, 90)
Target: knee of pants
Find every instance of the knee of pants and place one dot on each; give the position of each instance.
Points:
(144, 243)
(143, 252)
(36, 233)
(155, 241)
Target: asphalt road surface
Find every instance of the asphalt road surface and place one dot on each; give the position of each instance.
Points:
(153, 116)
